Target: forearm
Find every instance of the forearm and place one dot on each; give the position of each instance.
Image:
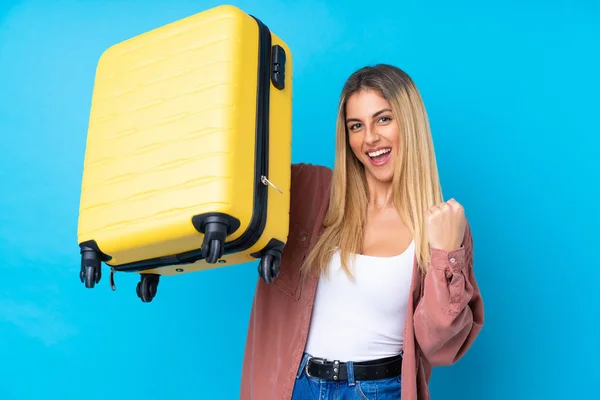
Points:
(449, 316)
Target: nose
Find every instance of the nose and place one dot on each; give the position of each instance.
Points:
(371, 136)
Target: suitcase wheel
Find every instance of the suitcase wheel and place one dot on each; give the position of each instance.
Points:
(147, 287)
(215, 227)
(91, 271)
(268, 267)
(215, 251)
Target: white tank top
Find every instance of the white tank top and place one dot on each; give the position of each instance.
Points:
(361, 320)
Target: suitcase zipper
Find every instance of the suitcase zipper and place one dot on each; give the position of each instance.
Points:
(268, 182)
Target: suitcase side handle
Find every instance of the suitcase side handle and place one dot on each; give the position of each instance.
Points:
(278, 59)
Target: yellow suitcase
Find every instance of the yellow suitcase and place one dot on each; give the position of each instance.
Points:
(188, 153)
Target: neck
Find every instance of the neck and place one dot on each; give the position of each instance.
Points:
(380, 194)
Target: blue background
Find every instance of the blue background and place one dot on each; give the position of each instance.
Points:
(512, 92)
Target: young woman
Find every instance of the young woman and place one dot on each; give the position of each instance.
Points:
(376, 284)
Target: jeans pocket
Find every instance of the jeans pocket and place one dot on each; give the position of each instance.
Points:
(381, 389)
(365, 390)
(389, 389)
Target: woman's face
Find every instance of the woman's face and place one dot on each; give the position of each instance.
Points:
(373, 134)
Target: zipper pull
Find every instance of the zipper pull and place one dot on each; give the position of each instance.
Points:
(266, 182)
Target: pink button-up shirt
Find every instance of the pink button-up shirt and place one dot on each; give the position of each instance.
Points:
(444, 316)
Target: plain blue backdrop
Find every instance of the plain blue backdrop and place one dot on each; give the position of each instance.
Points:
(512, 93)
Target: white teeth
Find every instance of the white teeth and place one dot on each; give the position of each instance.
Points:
(379, 152)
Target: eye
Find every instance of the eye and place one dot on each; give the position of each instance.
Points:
(354, 127)
(384, 119)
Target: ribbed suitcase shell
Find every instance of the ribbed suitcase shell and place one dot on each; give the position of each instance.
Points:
(174, 130)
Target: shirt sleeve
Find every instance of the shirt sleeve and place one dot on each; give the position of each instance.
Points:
(450, 314)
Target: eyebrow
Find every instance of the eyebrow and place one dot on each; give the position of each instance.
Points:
(373, 116)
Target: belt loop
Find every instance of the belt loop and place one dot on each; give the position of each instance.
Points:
(303, 363)
(350, 368)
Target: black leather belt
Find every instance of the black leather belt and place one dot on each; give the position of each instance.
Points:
(363, 371)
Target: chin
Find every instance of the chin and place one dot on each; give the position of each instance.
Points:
(382, 176)
(385, 178)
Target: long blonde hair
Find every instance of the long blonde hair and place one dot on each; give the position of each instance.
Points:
(416, 185)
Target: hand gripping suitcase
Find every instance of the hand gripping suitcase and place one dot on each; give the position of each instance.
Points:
(188, 153)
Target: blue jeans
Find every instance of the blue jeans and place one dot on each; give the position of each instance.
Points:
(309, 388)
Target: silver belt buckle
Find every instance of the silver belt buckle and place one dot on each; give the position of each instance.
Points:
(308, 360)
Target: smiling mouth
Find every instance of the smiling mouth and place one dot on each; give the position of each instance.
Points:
(380, 157)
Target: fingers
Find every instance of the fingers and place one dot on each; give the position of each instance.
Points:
(455, 205)
(445, 206)
(435, 209)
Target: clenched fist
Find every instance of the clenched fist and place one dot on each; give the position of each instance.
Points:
(445, 224)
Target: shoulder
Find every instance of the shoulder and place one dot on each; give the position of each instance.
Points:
(309, 181)
(309, 190)
(309, 174)
(309, 194)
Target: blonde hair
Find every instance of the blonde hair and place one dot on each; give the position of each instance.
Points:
(416, 185)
